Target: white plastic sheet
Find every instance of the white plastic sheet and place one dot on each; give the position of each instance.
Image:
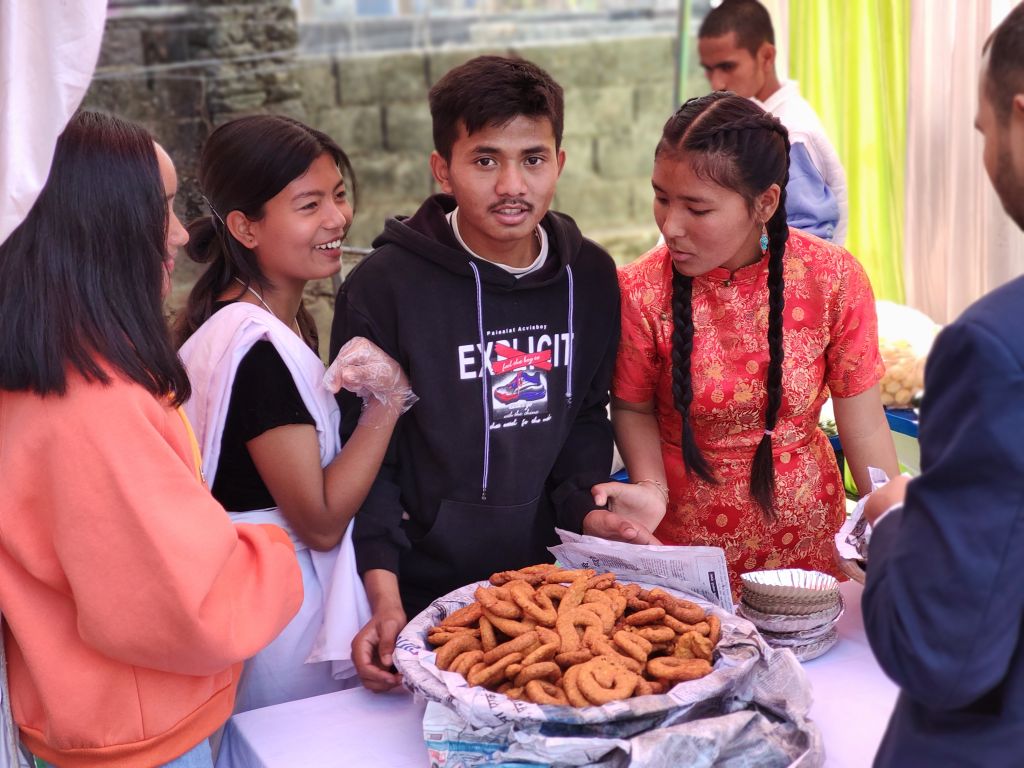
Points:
(48, 51)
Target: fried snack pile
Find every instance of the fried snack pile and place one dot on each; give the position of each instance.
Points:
(575, 638)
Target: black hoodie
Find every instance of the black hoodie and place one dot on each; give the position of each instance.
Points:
(488, 462)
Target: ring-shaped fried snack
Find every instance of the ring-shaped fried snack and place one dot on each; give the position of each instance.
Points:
(682, 649)
(544, 568)
(700, 647)
(602, 681)
(571, 687)
(446, 653)
(438, 636)
(510, 627)
(626, 662)
(523, 644)
(491, 675)
(554, 592)
(618, 603)
(648, 616)
(656, 633)
(636, 604)
(565, 577)
(545, 652)
(600, 645)
(545, 670)
(598, 642)
(466, 661)
(603, 612)
(715, 631)
(491, 603)
(531, 574)
(650, 688)
(533, 604)
(487, 639)
(684, 610)
(597, 596)
(545, 692)
(572, 658)
(464, 617)
(681, 627)
(677, 670)
(546, 635)
(633, 645)
(567, 623)
(601, 581)
(502, 578)
(573, 596)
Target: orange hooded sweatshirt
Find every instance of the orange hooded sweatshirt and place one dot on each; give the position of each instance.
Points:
(130, 598)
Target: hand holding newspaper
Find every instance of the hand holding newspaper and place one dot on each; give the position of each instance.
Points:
(698, 569)
(853, 538)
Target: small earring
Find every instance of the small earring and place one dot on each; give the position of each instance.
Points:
(764, 239)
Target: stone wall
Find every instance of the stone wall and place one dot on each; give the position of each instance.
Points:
(181, 68)
(618, 94)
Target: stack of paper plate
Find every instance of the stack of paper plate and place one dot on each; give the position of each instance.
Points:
(793, 609)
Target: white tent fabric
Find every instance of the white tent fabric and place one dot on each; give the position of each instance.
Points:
(958, 242)
(48, 51)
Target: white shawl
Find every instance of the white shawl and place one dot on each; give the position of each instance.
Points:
(212, 356)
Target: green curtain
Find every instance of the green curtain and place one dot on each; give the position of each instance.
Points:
(850, 58)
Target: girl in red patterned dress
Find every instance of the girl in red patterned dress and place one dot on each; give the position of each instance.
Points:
(734, 332)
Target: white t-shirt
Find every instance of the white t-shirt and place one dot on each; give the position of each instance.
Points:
(517, 272)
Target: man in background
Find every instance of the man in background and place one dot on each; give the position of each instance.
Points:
(736, 43)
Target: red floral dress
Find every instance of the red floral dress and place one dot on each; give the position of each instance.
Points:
(830, 340)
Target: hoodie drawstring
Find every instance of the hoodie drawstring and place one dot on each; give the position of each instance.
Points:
(568, 374)
(485, 385)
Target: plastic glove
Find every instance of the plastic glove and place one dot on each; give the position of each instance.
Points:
(365, 370)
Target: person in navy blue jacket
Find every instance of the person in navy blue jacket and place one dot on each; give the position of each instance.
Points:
(944, 600)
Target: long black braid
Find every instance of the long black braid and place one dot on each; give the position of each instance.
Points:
(736, 144)
(682, 389)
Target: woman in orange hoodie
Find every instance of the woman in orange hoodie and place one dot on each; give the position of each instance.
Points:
(129, 599)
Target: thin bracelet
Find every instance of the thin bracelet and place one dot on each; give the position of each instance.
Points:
(657, 484)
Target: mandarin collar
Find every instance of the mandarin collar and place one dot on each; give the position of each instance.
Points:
(746, 274)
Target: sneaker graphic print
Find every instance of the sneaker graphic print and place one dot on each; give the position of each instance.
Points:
(525, 386)
(520, 388)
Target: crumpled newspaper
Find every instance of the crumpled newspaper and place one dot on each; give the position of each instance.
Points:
(751, 712)
(853, 538)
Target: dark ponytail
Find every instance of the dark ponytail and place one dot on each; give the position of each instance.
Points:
(245, 163)
(736, 144)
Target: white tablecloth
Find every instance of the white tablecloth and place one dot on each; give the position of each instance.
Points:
(852, 703)
(852, 696)
(336, 730)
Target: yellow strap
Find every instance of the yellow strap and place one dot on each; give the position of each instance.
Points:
(197, 456)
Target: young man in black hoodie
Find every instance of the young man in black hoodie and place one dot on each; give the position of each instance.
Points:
(507, 321)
